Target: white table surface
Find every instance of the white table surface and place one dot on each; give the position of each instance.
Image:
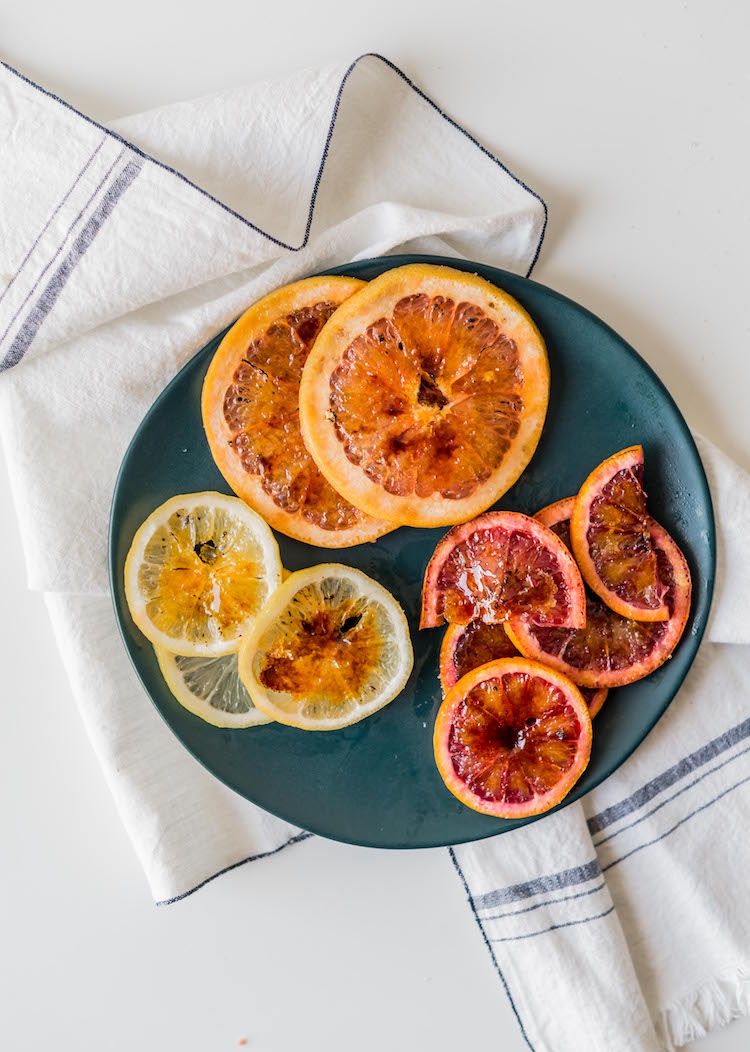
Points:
(631, 121)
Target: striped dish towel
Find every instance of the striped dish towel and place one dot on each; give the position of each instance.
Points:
(122, 250)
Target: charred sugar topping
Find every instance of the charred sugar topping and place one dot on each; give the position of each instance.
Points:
(427, 402)
(328, 656)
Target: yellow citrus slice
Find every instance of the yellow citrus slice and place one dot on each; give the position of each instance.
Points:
(251, 416)
(424, 396)
(198, 571)
(512, 738)
(330, 647)
(210, 688)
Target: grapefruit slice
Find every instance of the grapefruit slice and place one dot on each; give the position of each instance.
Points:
(512, 738)
(250, 408)
(500, 565)
(330, 647)
(611, 650)
(466, 647)
(424, 397)
(610, 534)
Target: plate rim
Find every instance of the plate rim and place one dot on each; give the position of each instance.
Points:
(388, 262)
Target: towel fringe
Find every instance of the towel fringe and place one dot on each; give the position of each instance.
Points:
(712, 1005)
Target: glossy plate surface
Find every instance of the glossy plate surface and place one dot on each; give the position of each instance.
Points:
(376, 783)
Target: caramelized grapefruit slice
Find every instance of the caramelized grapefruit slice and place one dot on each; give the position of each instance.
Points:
(512, 738)
(466, 647)
(500, 565)
(424, 397)
(611, 650)
(250, 409)
(610, 534)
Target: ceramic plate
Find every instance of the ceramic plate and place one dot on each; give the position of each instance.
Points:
(376, 783)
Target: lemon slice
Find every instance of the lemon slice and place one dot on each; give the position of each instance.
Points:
(329, 648)
(210, 688)
(198, 571)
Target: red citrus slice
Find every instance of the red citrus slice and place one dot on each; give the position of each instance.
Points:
(611, 650)
(512, 738)
(499, 565)
(466, 647)
(611, 539)
(424, 397)
(250, 407)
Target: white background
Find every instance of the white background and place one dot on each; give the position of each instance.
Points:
(631, 121)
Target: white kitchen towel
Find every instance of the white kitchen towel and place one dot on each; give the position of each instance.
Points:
(116, 267)
(622, 923)
(612, 924)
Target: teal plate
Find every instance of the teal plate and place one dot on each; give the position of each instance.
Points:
(376, 783)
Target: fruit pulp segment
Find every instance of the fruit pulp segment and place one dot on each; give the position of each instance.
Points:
(496, 573)
(480, 643)
(202, 575)
(428, 400)
(513, 737)
(328, 652)
(619, 541)
(261, 409)
(216, 681)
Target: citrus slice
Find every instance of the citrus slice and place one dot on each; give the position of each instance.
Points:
(466, 647)
(611, 539)
(500, 565)
(330, 647)
(250, 407)
(424, 397)
(210, 688)
(611, 650)
(512, 738)
(198, 571)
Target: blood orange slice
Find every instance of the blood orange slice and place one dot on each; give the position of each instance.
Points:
(424, 397)
(500, 565)
(466, 647)
(250, 408)
(610, 533)
(512, 738)
(611, 650)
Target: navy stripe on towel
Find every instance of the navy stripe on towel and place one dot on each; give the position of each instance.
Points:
(668, 832)
(554, 927)
(668, 778)
(57, 283)
(545, 902)
(44, 229)
(297, 839)
(488, 944)
(553, 882)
